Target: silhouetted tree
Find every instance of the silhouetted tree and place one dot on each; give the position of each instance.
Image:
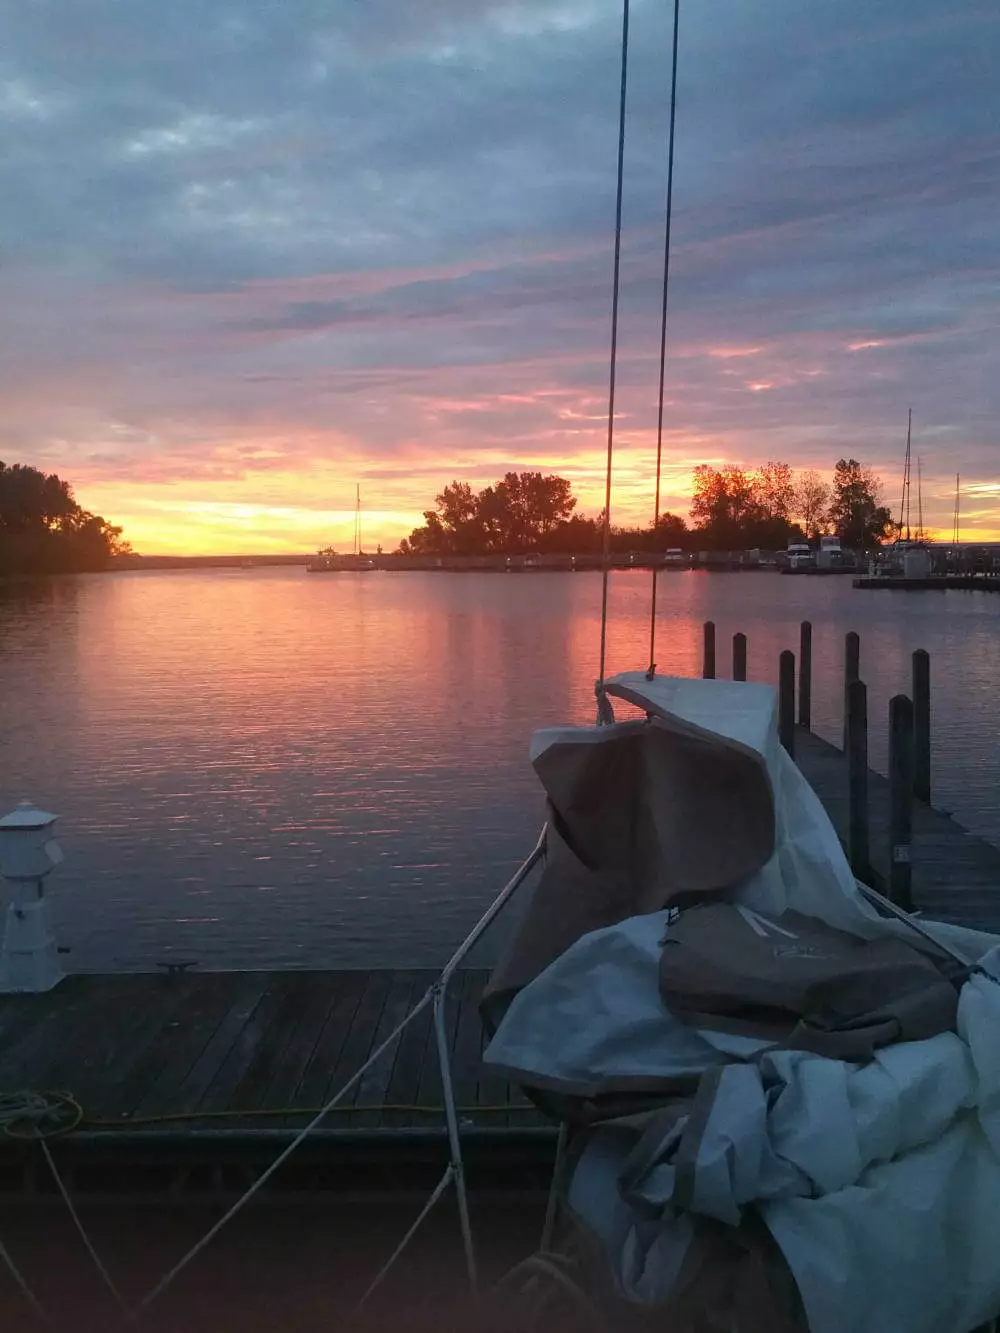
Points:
(458, 514)
(811, 504)
(734, 509)
(44, 530)
(519, 513)
(855, 512)
(775, 491)
(671, 531)
(725, 505)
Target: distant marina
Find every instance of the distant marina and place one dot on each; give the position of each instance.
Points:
(968, 565)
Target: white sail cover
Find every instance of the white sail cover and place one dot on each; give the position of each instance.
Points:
(880, 1183)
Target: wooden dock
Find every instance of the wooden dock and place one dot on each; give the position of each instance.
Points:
(956, 875)
(225, 1067)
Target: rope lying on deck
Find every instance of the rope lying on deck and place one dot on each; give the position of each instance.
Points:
(39, 1115)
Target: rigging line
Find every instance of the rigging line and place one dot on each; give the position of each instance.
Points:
(23, 1286)
(616, 287)
(88, 1243)
(663, 332)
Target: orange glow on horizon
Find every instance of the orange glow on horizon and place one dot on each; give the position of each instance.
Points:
(293, 512)
(301, 511)
(279, 490)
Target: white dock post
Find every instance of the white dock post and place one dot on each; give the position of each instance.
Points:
(29, 958)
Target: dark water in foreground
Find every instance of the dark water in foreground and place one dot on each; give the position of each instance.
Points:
(266, 768)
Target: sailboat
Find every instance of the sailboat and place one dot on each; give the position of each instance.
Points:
(327, 561)
(909, 555)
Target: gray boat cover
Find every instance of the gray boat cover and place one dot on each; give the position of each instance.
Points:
(879, 1181)
(799, 982)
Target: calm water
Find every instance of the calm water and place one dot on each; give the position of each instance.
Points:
(266, 767)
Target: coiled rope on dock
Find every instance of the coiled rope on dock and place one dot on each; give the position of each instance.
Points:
(31, 1114)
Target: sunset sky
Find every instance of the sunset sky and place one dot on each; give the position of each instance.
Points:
(256, 253)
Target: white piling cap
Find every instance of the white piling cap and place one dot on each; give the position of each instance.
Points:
(27, 816)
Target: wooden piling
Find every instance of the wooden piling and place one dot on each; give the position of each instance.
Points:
(786, 701)
(708, 658)
(857, 780)
(900, 800)
(922, 725)
(852, 669)
(739, 657)
(805, 674)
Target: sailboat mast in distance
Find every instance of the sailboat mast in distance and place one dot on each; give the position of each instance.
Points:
(357, 519)
(904, 504)
(956, 530)
(920, 502)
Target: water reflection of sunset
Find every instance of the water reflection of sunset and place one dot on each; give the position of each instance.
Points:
(259, 767)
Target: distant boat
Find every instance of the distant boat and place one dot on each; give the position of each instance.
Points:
(329, 562)
(799, 557)
(831, 558)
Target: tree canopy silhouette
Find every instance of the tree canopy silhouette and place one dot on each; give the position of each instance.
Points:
(855, 512)
(732, 509)
(43, 530)
(525, 512)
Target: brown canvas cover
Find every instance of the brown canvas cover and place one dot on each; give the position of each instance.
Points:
(642, 815)
(799, 982)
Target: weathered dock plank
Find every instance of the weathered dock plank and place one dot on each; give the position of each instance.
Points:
(347, 990)
(183, 1037)
(404, 1081)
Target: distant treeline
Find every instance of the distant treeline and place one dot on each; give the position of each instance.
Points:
(44, 531)
(731, 509)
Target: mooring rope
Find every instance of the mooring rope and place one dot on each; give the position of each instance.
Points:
(663, 333)
(616, 288)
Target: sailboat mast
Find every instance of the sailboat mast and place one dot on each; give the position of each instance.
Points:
(357, 519)
(920, 502)
(904, 504)
(956, 533)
